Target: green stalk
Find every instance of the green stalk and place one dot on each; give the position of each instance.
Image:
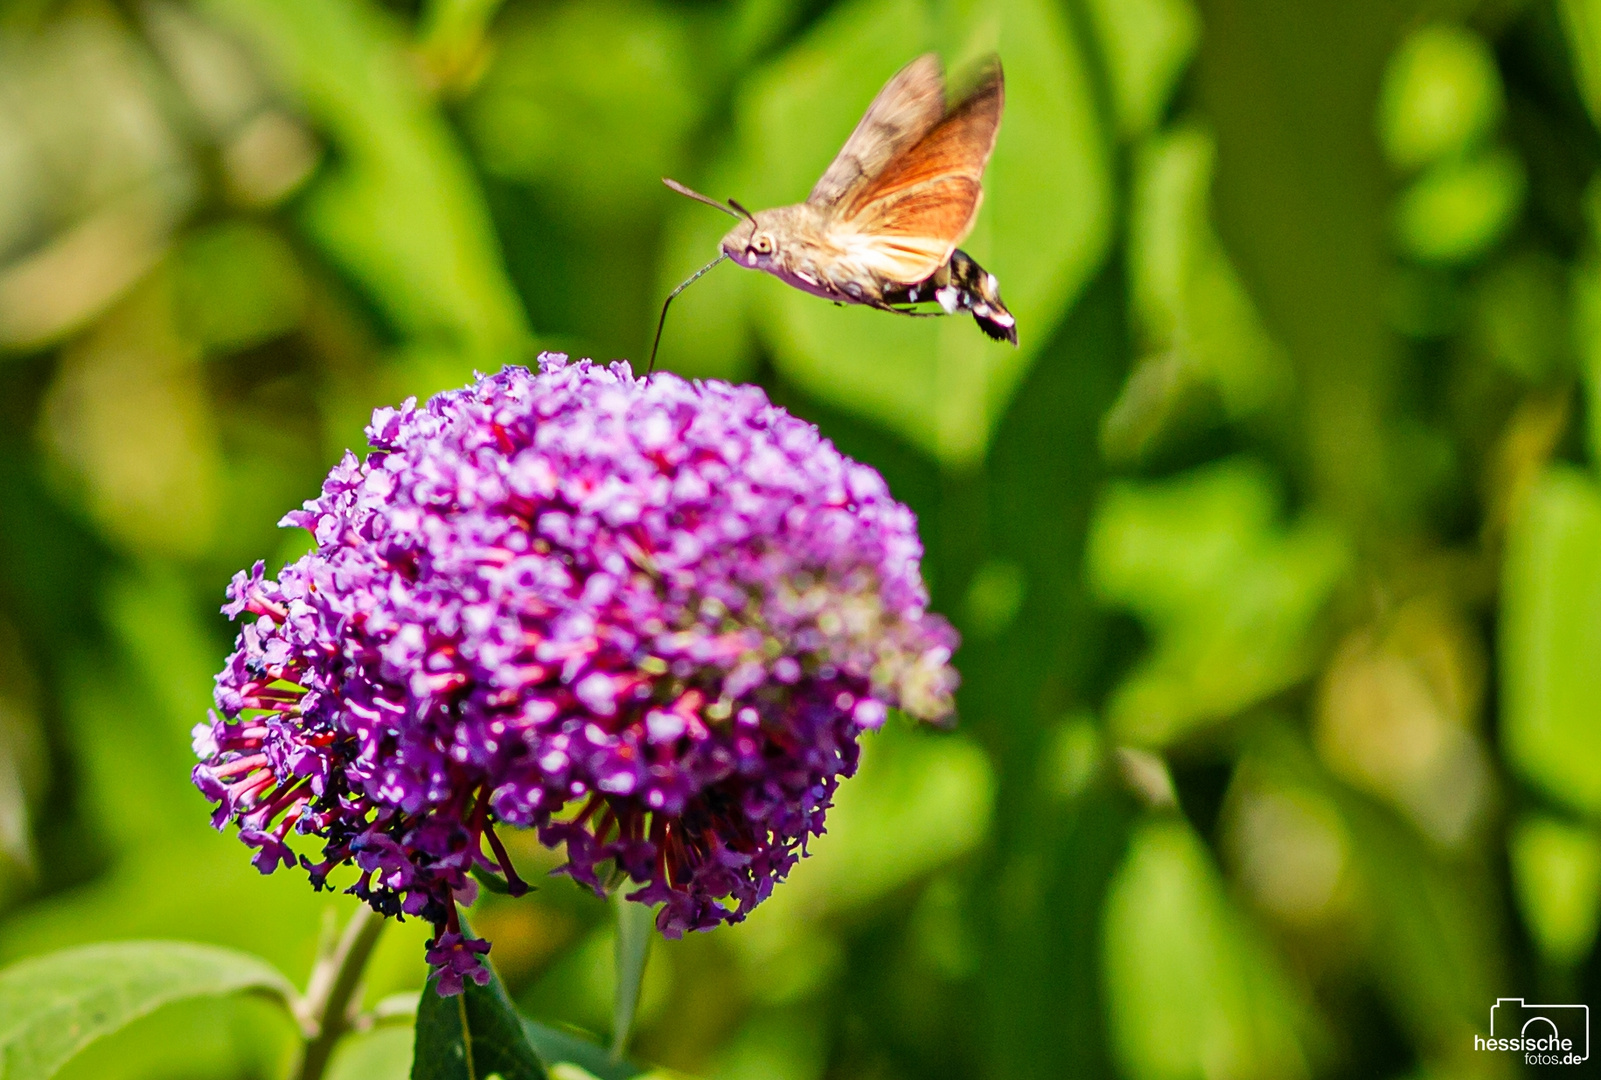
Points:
(332, 989)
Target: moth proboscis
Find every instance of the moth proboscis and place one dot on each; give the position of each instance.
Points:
(880, 228)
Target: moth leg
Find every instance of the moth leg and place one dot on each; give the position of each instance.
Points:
(882, 305)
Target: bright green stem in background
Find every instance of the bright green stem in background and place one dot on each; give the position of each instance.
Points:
(334, 984)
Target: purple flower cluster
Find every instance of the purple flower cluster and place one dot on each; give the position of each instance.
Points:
(647, 618)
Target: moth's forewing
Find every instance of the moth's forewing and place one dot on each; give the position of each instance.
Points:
(906, 221)
(906, 109)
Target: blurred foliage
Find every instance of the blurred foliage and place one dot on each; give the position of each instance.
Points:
(1276, 546)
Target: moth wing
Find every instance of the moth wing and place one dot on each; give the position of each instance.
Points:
(906, 221)
(905, 110)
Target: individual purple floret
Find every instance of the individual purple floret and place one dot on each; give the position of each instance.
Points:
(647, 618)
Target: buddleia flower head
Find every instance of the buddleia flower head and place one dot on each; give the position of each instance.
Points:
(647, 618)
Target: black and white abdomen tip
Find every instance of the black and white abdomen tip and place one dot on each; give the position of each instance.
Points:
(976, 290)
(960, 285)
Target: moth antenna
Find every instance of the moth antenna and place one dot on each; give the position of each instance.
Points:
(748, 215)
(698, 197)
(661, 322)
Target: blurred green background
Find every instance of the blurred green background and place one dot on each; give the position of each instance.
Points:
(1276, 547)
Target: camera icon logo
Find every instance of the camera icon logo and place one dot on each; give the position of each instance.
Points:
(1563, 1030)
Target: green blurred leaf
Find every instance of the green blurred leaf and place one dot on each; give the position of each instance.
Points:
(1192, 990)
(241, 1035)
(53, 1006)
(1434, 928)
(1436, 949)
(237, 284)
(592, 101)
(96, 174)
(451, 41)
(401, 211)
(129, 421)
(1442, 95)
(580, 988)
(636, 926)
(774, 1044)
(1556, 876)
(1397, 714)
(1287, 847)
(381, 1054)
(1230, 597)
(918, 801)
(1551, 638)
(1147, 45)
(755, 26)
(556, 1048)
(1074, 756)
(1457, 210)
(1522, 315)
(1587, 327)
(22, 762)
(1194, 317)
(473, 1035)
(994, 597)
(1581, 22)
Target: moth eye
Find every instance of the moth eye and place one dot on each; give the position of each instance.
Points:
(763, 245)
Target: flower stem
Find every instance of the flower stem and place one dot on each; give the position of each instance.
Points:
(334, 983)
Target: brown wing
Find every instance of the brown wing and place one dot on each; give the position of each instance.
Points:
(904, 111)
(924, 201)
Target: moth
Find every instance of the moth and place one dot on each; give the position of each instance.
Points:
(881, 226)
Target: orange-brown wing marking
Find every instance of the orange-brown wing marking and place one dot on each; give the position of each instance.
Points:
(941, 208)
(905, 110)
(933, 190)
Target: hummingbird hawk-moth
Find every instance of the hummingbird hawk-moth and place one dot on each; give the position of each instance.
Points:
(881, 226)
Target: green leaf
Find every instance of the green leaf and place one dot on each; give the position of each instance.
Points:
(635, 926)
(1456, 210)
(491, 881)
(556, 1048)
(591, 103)
(1147, 45)
(1231, 597)
(1551, 638)
(994, 598)
(1191, 989)
(1442, 94)
(1197, 323)
(53, 1006)
(1556, 875)
(439, 277)
(1434, 938)
(381, 1054)
(473, 1035)
(1587, 324)
(1581, 21)
(237, 285)
(451, 41)
(918, 802)
(1521, 317)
